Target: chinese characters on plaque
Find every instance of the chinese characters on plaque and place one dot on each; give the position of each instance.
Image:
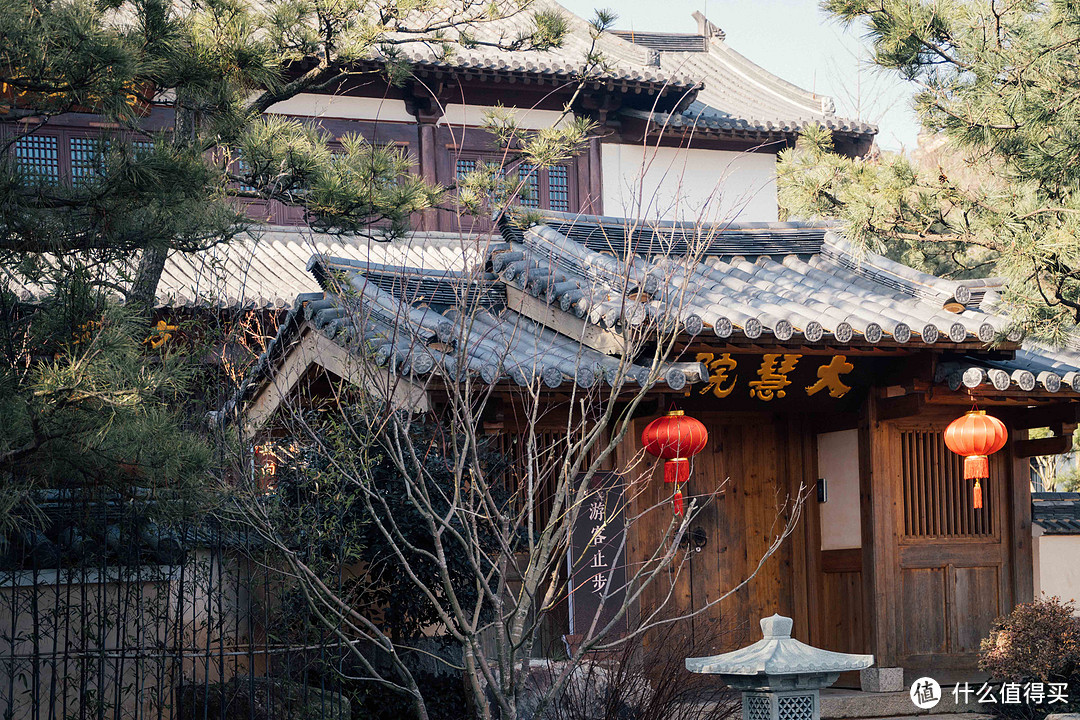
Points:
(771, 376)
(595, 555)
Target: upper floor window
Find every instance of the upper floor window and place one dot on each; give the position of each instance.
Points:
(542, 188)
(39, 155)
(66, 154)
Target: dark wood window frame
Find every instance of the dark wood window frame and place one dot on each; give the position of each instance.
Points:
(553, 188)
(70, 160)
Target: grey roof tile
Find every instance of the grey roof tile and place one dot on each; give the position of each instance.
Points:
(267, 270)
(1057, 513)
(625, 61)
(831, 292)
(411, 318)
(738, 95)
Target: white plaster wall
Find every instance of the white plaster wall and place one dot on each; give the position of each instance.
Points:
(838, 463)
(343, 106)
(691, 185)
(528, 119)
(363, 108)
(1057, 566)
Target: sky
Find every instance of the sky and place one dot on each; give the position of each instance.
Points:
(793, 39)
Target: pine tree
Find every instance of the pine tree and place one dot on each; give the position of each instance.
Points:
(223, 63)
(999, 83)
(82, 395)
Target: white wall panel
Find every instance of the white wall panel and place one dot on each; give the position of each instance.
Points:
(692, 185)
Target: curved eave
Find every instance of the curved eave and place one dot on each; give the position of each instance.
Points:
(498, 69)
(1006, 380)
(704, 126)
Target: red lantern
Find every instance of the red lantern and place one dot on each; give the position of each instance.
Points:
(675, 438)
(975, 436)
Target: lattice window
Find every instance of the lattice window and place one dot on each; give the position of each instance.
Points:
(39, 155)
(542, 188)
(559, 188)
(938, 501)
(795, 707)
(529, 178)
(85, 158)
(243, 169)
(464, 166)
(757, 707)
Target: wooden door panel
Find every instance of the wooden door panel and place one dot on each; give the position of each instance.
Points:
(747, 460)
(709, 472)
(924, 611)
(976, 602)
(842, 623)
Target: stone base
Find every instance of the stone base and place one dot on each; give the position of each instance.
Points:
(882, 679)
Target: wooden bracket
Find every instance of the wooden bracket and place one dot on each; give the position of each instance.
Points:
(900, 407)
(1043, 446)
(591, 336)
(1046, 416)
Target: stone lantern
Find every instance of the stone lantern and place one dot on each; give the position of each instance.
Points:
(779, 676)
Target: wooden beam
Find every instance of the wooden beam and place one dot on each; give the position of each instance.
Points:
(900, 407)
(1043, 446)
(603, 341)
(1018, 398)
(1045, 416)
(315, 349)
(841, 561)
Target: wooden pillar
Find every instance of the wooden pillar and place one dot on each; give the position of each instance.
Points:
(426, 145)
(593, 193)
(806, 540)
(880, 566)
(423, 103)
(1019, 521)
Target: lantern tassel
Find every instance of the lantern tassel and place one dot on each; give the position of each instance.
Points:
(677, 502)
(976, 467)
(978, 496)
(677, 470)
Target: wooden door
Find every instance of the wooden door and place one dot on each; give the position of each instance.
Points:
(744, 481)
(954, 576)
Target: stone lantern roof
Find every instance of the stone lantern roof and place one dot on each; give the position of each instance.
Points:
(777, 660)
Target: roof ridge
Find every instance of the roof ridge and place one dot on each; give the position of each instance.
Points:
(768, 81)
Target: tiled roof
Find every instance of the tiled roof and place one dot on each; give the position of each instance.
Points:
(745, 285)
(737, 94)
(624, 60)
(267, 270)
(732, 93)
(752, 283)
(1057, 513)
(1034, 366)
(790, 281)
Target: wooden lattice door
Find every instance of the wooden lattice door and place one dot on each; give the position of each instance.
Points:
(953, 576)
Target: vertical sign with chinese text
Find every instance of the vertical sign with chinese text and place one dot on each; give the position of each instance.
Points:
(596, 565)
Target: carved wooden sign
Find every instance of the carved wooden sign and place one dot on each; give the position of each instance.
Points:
(775, 375)
(596, 564)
